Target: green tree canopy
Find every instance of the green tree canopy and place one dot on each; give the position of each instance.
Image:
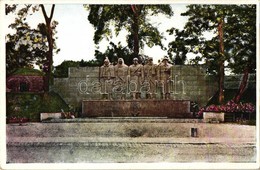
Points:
(239, 31)
(61, 71)
(26, 46)
(132, 18)
(233, 41)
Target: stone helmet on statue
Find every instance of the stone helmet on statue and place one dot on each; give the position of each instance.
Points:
(106, 61)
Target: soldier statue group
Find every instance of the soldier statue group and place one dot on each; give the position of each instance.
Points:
(136, 78)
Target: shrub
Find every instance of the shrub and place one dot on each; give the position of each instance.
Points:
(30, 105)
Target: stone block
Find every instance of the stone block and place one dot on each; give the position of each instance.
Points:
(202, 79)
(176, 69)
(210, 78)
(188, 70)
(191, 88)
(213, 117)
(201, 70)
(141, 108)
(44, 116)
(191, 83)
(83, 71)
(194, 92)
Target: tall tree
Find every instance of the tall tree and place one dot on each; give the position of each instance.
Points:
(244, 55)
(232, 29)
(178, 48)
(113, 52)
(133, 18)
(221, 60)
(137, 11)
(33, 41)
(49, 33)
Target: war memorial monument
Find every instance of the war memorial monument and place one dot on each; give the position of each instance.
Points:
(118, 113)
(133, 114)
(136, 90)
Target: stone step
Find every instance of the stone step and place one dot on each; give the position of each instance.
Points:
(23, 141)
(130, 129)
(122, 120)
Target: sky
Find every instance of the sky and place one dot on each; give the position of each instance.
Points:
(75, 33)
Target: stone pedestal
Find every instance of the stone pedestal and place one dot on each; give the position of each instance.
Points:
(134, 108)
(45, 116)
(213, 116)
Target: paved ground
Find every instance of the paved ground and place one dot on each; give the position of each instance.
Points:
(103, 152)
(115, 142)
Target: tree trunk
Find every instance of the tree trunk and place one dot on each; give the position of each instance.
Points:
(242, 86)
(136, 38)
(221, 62)
(50, 43)
(136, 10)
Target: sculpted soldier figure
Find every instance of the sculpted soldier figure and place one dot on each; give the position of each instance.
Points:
(135, 73)
(107, 70)
(164, 73)
(121, 71)
(150, 77)
(107, 74)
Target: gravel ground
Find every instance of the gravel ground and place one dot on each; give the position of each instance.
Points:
(114, 143)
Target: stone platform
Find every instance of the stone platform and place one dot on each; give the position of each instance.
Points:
(134, 108)
(129, 142)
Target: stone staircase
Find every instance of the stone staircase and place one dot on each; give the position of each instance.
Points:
(128, 140)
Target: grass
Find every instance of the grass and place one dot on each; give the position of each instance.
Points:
(30, 105)
(28, 72)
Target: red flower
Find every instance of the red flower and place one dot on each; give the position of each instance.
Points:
(230, 107)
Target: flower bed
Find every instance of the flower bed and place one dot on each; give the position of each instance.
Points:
(17, 120)
(230, 107)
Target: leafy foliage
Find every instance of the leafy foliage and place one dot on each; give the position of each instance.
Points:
(232, 40)
(113, 52)
(132, 18)
(27, 71)
(61, 71)
(25, 48)
(28, 46)
(239, 36)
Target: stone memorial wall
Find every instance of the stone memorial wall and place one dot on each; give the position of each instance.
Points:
(86, 83)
